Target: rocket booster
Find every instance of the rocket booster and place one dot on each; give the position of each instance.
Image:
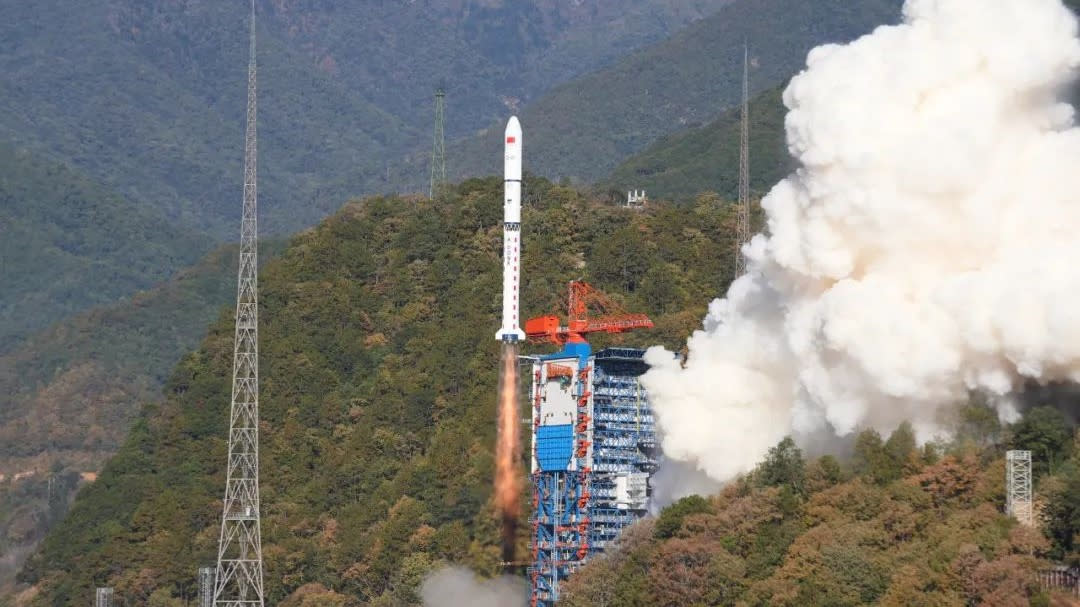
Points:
(513, 146)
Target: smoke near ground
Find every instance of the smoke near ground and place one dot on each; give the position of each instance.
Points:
(457, 587)
(508, 451)
(927, 246)
(675, 480)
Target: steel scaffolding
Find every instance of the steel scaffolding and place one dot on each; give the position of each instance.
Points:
(594, 448)
(1018, 486)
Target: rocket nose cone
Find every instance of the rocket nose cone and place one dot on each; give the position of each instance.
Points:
(513, 127)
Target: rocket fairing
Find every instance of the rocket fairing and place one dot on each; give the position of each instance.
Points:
(511, 327)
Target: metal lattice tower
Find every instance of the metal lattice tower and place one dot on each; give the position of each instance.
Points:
(438, 151)
(594, 449)
(206, 587)
(1018, 486)
(103, 597)
(239, 574)
(742, 226)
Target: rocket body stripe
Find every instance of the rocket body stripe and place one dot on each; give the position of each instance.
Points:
(510, 330)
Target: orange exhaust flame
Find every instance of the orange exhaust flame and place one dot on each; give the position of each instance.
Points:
(508, 452)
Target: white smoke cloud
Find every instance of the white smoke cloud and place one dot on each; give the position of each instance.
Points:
(927, 246)
(459, 587)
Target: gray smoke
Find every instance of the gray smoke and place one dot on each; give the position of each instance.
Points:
(459, 587)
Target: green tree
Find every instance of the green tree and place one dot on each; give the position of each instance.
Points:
(621, 260)
(1063, 512)
(1045, 432)
(783, 466)
(978, 422)
(870, 458)
(671, 518)
(886, 462)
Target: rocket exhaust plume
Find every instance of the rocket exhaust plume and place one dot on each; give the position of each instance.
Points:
(508, 445)
(508, 452)
(925, 248)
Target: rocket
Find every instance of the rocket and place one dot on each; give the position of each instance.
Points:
(512, 148)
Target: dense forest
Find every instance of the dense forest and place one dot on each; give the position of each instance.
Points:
(59, 250)
(378, 407)
(679, 166)
(148, 98)
(889, 524)
(69, 393)
(127, 131)
(378, 368)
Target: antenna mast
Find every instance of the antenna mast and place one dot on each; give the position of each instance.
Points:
(742, 227)
(438, 152)
(239, 574)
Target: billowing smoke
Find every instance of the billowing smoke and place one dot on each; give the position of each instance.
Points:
(928, 246)
(457, 587)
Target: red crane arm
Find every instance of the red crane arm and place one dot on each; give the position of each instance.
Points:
(618, 324)
(612, 318)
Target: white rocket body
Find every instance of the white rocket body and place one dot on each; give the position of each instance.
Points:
(511, 309)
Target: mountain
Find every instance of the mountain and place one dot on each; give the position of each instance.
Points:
(148, 98)
(121, 139)
(68, 394)
(377, 408)
(706, 158)
(377, 403)
(491, 55)
(67, 244)
(118, 168)
(893, 525)
(584, 128)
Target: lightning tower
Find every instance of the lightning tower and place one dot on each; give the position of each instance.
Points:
(742, 227)
(239, 574)
(438, 148)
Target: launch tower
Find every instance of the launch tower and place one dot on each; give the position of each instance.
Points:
(594, 441)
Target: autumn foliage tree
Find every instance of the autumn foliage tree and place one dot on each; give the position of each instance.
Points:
(903, 530)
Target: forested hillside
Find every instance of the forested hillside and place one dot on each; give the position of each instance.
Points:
(122, 135)
(378, 369)
(69, 394)
(680, 166)
(67, 244)
(895, 525)
(148, 98)
(585, 128)
(492, 56)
